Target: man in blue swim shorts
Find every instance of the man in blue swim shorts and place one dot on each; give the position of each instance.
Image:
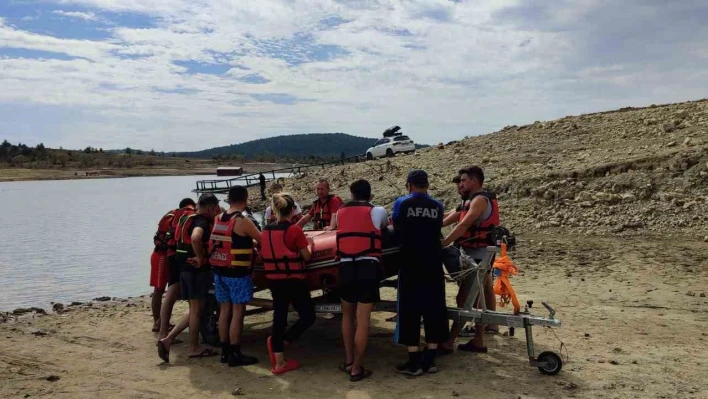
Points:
(231, 248)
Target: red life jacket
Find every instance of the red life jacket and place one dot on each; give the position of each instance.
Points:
(478, 236)
(163, 231)
(323, 212)
(279, 261)
(171, 235)
(224, 252)
(356, 234)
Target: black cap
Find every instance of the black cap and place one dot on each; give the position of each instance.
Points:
(418, 178)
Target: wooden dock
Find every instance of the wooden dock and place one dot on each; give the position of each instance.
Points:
(222, 186)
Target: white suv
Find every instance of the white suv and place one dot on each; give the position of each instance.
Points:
(390, 146)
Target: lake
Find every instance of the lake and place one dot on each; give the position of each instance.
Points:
(75, 240)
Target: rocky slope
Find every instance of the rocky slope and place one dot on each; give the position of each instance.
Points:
(630, 171)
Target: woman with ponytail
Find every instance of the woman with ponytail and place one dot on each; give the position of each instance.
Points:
(285, 250)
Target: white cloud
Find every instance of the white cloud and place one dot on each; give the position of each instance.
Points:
(87, 16)
(438, 68)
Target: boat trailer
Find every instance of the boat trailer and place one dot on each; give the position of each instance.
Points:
(548, 362)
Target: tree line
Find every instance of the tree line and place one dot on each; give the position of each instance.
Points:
(22, 155)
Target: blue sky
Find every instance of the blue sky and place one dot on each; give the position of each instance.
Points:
(181, 75)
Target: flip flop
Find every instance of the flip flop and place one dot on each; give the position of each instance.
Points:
(470, 347)
(204, 353)
(271, 354)
(163, 352)
(343, 366)
(362, 375)
(289, 366)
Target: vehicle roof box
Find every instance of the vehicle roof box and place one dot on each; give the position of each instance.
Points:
(392, 131)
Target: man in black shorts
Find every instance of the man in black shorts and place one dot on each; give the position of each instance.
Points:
(359, 245)
(417, 221)
(192, 237)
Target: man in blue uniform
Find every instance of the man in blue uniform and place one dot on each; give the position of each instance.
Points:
(417, 220)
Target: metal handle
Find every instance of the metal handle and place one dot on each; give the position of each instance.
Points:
(550, 309)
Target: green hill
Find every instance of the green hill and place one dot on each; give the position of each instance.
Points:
(312, 146)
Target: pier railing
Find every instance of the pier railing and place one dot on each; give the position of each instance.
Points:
(218, 186)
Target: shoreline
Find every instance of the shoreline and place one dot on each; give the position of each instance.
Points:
(25, 174)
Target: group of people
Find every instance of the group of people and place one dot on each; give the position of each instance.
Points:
(200, 245)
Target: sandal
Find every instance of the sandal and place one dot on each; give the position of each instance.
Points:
(346, 367)
(204, 353)
(289, 366)
(471, 347)
(362, 375)
(163, 352)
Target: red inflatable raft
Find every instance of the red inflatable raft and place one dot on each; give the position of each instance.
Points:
(323, 268)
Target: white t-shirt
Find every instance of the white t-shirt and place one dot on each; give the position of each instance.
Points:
(379, 217)
(269, 212)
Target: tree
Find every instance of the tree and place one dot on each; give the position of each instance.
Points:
(139, 152)
(88, 150)
(128, 151)
(100, 150)
(152, 152)
(174, 155)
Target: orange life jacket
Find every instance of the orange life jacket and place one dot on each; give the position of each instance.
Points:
(183, 239)
(163, 231)
(279, 262)
(356, 234)
(224, 252)
(478, 236)
(171, 235)
(323, 212)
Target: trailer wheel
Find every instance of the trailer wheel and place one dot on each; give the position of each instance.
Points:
(552, 363)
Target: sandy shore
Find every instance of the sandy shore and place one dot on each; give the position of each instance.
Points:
(634, 316)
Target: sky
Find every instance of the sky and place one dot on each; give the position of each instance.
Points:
(177, 75)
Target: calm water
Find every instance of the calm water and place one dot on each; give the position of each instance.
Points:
(76, 240)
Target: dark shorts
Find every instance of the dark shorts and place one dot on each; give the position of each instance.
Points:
(359, 281)
(173, 271)
(195, 284)
(426, 300)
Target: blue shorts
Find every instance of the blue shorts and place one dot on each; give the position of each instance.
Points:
(235, 290)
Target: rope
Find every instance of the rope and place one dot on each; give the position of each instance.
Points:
(562, 346)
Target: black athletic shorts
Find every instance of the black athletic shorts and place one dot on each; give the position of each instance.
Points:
(421, 298)
(173, 271)
(359, 281)
(195, 284)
